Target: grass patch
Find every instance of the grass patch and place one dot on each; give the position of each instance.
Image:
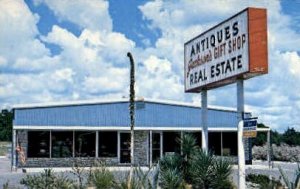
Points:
(4, 148)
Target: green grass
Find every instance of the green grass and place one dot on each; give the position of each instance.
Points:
(3, 148)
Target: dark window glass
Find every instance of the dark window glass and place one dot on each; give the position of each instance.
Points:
(85, 144)
(214, 142)
(170, 142)
(229, 143)
(198, 137)
(125, 147)
(38, 144)
(155, 147)
(108, 144)
(62, 144)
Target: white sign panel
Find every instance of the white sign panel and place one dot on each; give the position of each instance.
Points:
(218, 54)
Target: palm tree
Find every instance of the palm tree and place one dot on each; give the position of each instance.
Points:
(131, 112)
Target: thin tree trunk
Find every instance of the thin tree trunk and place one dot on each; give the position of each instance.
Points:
(132, 118)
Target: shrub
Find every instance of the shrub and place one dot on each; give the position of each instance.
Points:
(210, 172)
(194, 166)
(102, 178)
(283, 152)
(294, 183)
(171, 178)
(47, 180)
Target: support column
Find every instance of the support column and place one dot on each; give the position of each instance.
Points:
(204, 120)
(241, 150)
(181, 137)
(221, 143)
(161, 144)
(119, 147)
(13, 150)
(150, 150)
(73, 154)
(97, 144)
(50, 145)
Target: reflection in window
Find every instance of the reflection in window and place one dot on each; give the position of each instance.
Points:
(108, 144)
(62, 143)
(85, 144)
(38, 143)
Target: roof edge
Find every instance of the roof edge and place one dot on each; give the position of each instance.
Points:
(121, 100)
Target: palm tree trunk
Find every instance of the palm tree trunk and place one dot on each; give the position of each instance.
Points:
(132, 118)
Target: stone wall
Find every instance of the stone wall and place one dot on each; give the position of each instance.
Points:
(22, 140)
(69, 162)
(141, 148)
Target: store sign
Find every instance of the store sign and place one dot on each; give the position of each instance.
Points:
(249, 130)
(227, 52)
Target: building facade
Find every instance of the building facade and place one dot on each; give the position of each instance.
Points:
(51, 135)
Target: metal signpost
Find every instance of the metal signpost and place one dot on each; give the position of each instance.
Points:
(230, 52)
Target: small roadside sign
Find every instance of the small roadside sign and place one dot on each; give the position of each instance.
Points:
(250, 128)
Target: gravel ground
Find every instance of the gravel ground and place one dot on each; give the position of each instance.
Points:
(258, 167)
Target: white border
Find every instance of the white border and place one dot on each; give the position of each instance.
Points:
(122, 128)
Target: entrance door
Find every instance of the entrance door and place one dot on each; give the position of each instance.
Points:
(124, 147)
(155, 147)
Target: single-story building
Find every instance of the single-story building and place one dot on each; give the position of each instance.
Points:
(52, 134)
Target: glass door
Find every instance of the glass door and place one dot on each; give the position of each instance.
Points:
(124, 147)
(155, 147)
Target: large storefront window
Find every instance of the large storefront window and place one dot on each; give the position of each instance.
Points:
(229, 143)
(214, 142)
(170, 142)
(85, 143)
(108, 144)
(62, 144)
(38, 144)
(198, 137)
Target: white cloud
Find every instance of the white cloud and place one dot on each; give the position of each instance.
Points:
(92, 14)
(186, 19)
(94, 64)
(155, 79)
(18, 32)
(3, 61)
(112, 80)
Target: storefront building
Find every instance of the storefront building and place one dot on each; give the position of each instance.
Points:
(51, 135)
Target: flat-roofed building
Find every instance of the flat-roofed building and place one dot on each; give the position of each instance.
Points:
(53, 133)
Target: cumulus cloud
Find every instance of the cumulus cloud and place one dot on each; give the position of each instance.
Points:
(93, 63)
(92, 14)
(266, 96)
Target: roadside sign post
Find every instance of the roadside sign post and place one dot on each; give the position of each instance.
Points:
(204, 120)
(241, 157)
(241, 149)
(230, 52)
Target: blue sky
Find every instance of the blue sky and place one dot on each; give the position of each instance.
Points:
(53, 50)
